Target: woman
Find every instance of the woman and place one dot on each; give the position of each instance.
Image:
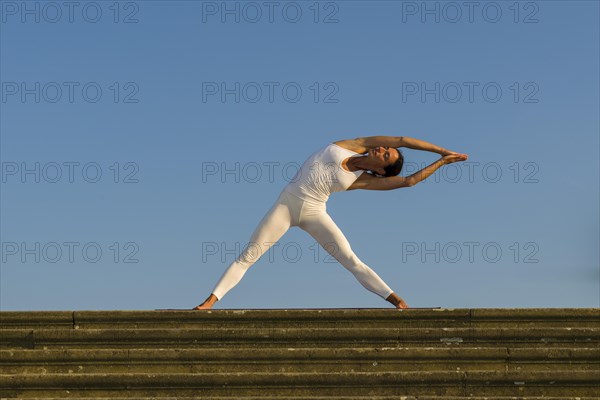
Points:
(336, 167)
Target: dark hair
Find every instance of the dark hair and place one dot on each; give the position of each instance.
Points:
(395, 168)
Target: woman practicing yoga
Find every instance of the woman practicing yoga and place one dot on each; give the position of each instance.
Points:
(336, 167)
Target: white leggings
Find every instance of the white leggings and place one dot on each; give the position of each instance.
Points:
(290, 210)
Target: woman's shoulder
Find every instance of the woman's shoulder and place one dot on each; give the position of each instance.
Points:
(351, 145)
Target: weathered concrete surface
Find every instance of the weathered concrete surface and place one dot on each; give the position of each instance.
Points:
(47, 361)
(332, 397)
(337, 353)
(335, 318)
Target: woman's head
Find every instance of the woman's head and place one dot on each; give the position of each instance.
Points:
(385, 161)
(395, 167)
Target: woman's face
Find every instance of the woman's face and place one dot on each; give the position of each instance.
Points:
(383, 156)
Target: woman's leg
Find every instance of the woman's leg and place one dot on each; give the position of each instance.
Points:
(330, 237)
(270, 229)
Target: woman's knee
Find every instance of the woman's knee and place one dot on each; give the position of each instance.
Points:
(251, 254)
(350, 261)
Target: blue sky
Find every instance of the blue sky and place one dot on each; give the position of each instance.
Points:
(142, 142)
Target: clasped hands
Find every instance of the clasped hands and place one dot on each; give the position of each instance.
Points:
(449, 157)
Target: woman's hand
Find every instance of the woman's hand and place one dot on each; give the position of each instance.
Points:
(446, 152)
(453, 157)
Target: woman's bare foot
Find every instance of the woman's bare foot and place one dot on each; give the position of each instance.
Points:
(208, 303)
(202, 307)
(402, 304)
(397, 301)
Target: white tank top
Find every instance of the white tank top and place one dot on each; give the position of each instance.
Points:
(322, 174)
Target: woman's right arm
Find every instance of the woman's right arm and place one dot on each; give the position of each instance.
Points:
(363, 144)
(418, 144)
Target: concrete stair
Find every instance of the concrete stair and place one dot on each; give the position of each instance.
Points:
(354, 354)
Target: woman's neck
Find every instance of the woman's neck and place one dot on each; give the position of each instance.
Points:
(356, 164)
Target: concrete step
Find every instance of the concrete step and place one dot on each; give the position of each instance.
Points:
(438, 383)
(266, 337)
(323, 318)
(252, 359)
(302, 354)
